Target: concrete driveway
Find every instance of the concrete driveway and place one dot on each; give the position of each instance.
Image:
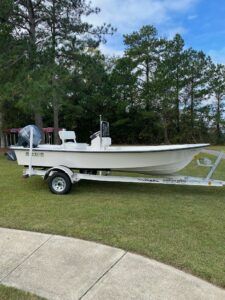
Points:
(63, 268)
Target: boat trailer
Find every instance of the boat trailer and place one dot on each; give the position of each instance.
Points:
(61, 178)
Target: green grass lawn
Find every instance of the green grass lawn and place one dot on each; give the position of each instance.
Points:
(183, 226)
(7, 293)
(218, 148)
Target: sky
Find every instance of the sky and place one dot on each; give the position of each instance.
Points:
(200, 22)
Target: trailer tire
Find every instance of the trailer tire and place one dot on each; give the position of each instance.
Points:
(59, 183)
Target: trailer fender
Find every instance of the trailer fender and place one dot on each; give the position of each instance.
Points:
(63, 169)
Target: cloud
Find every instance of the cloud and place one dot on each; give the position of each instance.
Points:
(127, 15)
(110, 51)
(192, 17)
(178, 5)
(218, 56)
(172, 31)
(130, 15)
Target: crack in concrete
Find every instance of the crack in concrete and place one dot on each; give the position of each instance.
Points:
(25, 259)
(106, 272)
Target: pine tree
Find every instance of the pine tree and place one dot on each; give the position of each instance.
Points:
(26, 20)
(196, 92)
(66, 35)
(143, 48)
(217, 87)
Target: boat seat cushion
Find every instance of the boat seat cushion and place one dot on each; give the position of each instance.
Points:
(67, 135)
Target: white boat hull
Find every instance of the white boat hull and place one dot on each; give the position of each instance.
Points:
(143, 159)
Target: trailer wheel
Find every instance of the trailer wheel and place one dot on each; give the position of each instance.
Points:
(59, 183)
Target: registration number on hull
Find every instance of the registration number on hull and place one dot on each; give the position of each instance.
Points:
(36, 154)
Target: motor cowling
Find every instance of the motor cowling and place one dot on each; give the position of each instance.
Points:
(25, 134)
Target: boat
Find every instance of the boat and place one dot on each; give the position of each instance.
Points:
(100, 155)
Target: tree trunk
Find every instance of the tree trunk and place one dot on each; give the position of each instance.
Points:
(32, 24)
(33, 51)
(55, 110)
(56, 123)
(147, 83)
(218, 115)
(192, 107)
(54, 83)
(2, 140)
(38, 119)
(165, 131)
(177, 105)
(147, 72)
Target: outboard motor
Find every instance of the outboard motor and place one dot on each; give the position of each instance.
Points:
(24, 139)
(24, 136)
